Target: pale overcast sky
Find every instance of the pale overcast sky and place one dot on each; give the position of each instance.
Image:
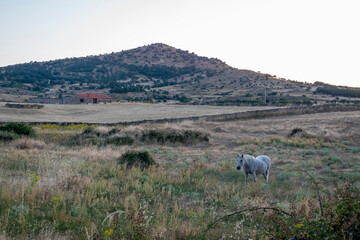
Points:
(304, 40)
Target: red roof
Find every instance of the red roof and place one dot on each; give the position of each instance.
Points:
(94, 95)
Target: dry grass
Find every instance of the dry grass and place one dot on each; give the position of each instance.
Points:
(77, 187)
(28, 143)
(112, 113)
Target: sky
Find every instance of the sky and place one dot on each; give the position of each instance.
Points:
(303, 40)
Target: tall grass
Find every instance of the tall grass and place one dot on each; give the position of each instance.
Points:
(51, 190)
(73, 197)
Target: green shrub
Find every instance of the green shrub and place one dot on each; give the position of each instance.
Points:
(308, 152)
(113, 131)
(140, 159)
(351, 176)
(355, 149)
(17, 128)
(335, 158)
(88, 136)
(282, 176)
(153, 135)
(91, 136)
(89, 130)
(324, 151)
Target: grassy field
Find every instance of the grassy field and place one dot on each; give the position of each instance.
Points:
(112, 113)
(67, 182)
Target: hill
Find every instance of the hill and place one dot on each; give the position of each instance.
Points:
(155, 73)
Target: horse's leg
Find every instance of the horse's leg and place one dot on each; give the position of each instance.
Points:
(265, 176)
(246, 177)
(254, 176)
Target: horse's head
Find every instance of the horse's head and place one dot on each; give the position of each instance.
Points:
(240, 162)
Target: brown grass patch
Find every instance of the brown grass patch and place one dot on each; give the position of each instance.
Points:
(28, 143)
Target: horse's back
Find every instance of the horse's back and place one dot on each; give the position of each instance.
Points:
(265, 159)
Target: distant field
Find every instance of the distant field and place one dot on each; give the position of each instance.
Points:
(112, 113)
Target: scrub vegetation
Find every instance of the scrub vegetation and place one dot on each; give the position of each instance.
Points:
(179, 181)
(160, 73)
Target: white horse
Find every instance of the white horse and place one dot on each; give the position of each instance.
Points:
(260, 164)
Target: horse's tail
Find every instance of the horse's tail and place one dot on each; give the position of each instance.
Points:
(268, 169)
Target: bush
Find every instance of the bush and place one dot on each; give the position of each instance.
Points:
(120, 140)
(88, 130)
(296, 131)
(91, 136)
(355, 149)
(300, 133)
(117, 137)
(88, 136)
(6, 136)
(335, 158)
(140, 159)
(173, 136)
(17, 128)
(113, 131)
(340, 220)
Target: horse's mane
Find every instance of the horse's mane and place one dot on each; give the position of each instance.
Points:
(247, 157)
